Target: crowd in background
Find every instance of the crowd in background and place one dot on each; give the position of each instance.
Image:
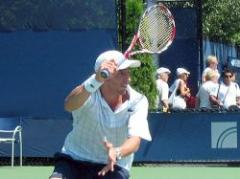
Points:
(216, 90)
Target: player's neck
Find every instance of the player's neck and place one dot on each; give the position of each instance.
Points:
(114, 100)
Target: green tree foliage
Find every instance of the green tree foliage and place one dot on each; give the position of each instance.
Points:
(143, 78)
(221, 20)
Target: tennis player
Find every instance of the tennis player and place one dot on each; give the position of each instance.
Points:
(109, 121)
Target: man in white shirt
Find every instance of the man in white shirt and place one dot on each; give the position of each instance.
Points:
(109, 121)
(163, 88)
(228, 92)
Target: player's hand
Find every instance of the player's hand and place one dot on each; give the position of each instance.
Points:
(110, 66)
(111, 158)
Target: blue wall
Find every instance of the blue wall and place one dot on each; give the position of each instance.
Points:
(50, 50)
(38, 69)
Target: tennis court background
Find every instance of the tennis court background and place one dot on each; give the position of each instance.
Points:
(44, 57)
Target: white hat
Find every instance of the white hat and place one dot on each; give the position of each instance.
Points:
(123, 63)
(163, 70)
(182, 71)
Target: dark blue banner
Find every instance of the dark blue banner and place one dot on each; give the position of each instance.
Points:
(192, 137)
(177, 137)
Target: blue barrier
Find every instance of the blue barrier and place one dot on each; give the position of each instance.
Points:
(176, 137)
(192, 137)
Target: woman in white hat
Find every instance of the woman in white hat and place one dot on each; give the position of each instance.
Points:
(179, 90)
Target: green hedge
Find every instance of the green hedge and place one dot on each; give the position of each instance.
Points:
(142, 79)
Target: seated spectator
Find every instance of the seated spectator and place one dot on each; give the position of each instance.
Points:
(206, 90)
(163, 88)
(212, 64)
(227, 95)
(179, 90)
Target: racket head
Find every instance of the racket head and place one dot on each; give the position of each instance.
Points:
(156, 30)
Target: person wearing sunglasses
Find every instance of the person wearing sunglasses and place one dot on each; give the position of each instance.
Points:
(228, 93)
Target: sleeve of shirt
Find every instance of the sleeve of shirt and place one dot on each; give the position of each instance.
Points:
(138, 123)
(213, 91)
(89, 102)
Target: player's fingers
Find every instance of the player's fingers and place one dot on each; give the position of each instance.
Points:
(112, 68)
(104, 170)
(112, 166)
(107, 144)
(109, 63)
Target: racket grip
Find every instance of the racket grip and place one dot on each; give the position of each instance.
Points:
(104, 73)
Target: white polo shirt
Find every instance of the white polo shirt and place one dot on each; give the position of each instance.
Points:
(95, 121)
(207, 89)
(163, 92)
(228, 94)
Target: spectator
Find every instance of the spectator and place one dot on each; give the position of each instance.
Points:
(206, 90)
(179, 90)
(212, 64)
(236, 85)
(227, 95)
(163, 88)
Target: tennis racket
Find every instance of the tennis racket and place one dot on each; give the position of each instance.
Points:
(156, 32)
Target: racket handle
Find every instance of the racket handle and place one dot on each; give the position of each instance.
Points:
(104, 73)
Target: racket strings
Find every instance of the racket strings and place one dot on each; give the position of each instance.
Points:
(156, 30)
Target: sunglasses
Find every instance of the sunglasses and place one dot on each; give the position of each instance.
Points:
(228, 76)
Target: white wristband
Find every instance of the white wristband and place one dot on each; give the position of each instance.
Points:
(91, 84)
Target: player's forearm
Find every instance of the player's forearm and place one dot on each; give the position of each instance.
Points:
(131, 145)
(80, 94)
(76, 98)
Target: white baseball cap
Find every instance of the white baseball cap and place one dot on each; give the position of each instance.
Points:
(163, 70)
(123, 63)
(180, 71)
